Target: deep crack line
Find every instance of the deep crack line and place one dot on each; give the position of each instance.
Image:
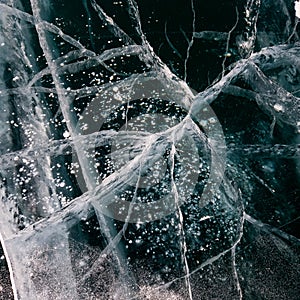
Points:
(191, 41)
(183, 245)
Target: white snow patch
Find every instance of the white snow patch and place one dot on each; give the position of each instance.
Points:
(297, 8)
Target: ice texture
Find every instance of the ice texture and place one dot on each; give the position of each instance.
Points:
(149, 150)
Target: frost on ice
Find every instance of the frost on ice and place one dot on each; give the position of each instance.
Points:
(149, 154)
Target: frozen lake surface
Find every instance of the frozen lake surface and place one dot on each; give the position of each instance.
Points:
(149, 149)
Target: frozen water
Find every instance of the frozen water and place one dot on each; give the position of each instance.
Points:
(149, 150)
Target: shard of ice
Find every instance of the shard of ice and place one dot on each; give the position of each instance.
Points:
(149, 149)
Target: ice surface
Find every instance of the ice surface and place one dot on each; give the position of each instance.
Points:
(149, 153)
